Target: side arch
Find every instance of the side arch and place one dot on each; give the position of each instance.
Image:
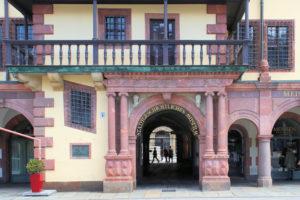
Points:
(282, 108)
(243, 114)
(157, 100)
(19, 108)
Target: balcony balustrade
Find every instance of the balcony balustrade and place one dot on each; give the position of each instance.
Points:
(126, 53)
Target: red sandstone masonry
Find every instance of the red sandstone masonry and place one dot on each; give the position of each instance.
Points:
(43, 102)
(49, 164)
(219, 29)
(39, 112)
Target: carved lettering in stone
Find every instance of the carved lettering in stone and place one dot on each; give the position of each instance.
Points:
(286, 94)
(158, 108)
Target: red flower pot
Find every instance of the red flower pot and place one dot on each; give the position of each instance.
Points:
(36, 182)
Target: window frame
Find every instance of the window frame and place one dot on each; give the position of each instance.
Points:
(68, 87)
(291, 42)
(81, 144)
(112, 12)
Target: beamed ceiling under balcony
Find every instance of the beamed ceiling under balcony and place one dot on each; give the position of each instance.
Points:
(235, 8)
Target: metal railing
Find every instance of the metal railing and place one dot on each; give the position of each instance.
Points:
(126, 52)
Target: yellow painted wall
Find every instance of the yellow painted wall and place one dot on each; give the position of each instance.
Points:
(278, 9)
(11, 10)
(193, 21)
(67, 169)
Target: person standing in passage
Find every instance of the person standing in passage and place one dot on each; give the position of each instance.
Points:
(154, 155)
(290, 162)
(170, 154)
(166, 154)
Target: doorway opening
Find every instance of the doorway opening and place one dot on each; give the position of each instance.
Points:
(15, 151)
(236, 154)
(167, 149)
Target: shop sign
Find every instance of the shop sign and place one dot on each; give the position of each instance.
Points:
(284, 130)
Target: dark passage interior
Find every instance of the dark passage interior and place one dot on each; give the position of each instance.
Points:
(167, 131)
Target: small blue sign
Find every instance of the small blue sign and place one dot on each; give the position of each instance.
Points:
(102, 114)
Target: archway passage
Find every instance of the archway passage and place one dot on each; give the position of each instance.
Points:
(285, 146)
(172, 131)
(15, 151)
(236, 154)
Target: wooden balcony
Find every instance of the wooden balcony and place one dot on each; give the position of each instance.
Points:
(42, 56)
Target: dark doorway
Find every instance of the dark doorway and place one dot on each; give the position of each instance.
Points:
(157, 33)
(236, 155)
(16, 151)
(174, 130)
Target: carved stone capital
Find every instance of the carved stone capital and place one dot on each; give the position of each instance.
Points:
(113, 94)
(123, 94)
(209, 93)
(222, 93)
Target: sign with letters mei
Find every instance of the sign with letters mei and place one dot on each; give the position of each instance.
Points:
(162, 107)
(286, 94)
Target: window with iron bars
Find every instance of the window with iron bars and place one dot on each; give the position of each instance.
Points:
(253, 47)
(280, 44)
(20, 35)
(115, 28)
(79, 106)
(1, 46)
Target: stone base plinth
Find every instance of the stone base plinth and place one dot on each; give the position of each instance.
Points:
(215, 184)
(117, 186)
(264, 182)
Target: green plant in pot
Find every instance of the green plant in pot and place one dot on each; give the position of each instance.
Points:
(34, 168)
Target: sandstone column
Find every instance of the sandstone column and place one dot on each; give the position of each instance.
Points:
(264, 161)
(124, 123)
(209, 150)
(111, 123)
(222, 119)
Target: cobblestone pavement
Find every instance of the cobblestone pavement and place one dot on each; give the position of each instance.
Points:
(282, 190)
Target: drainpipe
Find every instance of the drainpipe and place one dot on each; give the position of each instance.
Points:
(25, 136)
(6, 36)
(95, 32)
(165, 46)
(262, 30)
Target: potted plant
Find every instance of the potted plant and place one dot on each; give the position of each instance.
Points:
(34, 168)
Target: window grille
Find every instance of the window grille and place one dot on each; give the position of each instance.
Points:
(115, 28)
(279, 47)
(1, 46)
(20, 32)
(253, 51)
(81, 108)
(80, 105)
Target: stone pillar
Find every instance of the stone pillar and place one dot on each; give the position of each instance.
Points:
(118, 168)
(264, 161)
(111, 123)
(209, 149)
(215, 167)
(124, 123)
(222, 119)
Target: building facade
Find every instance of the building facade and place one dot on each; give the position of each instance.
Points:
(102, 83)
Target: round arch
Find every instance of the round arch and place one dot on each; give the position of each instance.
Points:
(243, 114)
(19, 108)
(157, 100)
(282, 108)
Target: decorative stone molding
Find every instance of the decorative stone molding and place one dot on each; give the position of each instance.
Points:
(198, 100)
(56, 80)
(33, 82)
(98, 80)
(167, 97)
(135, 100)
